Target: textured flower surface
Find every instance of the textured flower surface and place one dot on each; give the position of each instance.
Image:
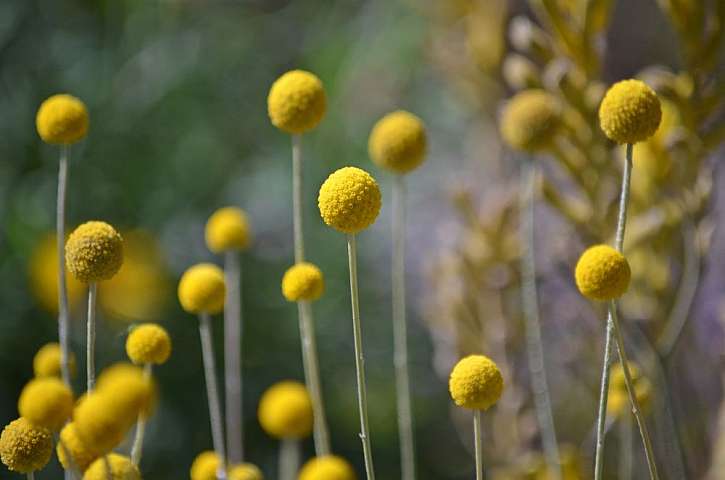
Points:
(62, 119)
(70, 443)
(303, 282)
(46, 362)
(398, 142)
(227, 229)
(112, 467)
(475, 382)
(25, 447)
(296, 102)
(630, 112)
(47, 402)
(94, 252)
(148, 343)
(530, 120)
(202, 289)
(328, 467)
(349, 200)
(285, 410)
(602, 273)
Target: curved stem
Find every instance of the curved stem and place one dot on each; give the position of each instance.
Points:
(359, 359)
(478, 443)
(63, 310)
(137, 448)
(212, 393)
(91, 337)
(289, 458)
(233, 328)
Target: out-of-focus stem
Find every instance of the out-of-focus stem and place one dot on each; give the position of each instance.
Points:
(478, 443)
(91, 337)
(289, 458)
(137, 448)
(625, 447)
(297, 198)
(233, 328)
(63, 311)
(31, 476)
(212, 393)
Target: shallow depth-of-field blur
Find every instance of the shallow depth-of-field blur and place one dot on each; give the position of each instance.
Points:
(176, 92)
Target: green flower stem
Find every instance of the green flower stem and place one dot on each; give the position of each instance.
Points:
(400, 335)
(212, 393)
(63, 310)
(289, 459)
(137, 448)
(91, 337)
(233, 328)
(478, 443)
(534, 347)
(359, 358)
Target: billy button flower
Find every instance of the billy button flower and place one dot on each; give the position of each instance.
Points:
(71, 445)
(328, 467)
(25, 447)
(47, 361)
(296, 102)
(228, 229)
(46, 402)
(62, 119)
(630, 112)
(530, 120)
(398, 142)
(206, 465)
(303, 282)
(112, 467)
(602, 273)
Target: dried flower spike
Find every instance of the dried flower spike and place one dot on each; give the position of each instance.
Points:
(228, 229)
(25, 447)
(398, 142)
(62, 119)
(46, 402)
(46, 362)
(121, 468)
(475, 383)
(71, 443)
(94, 252)
(148, 344)
(349, 200)
(296, 102)
(328, 467)
(285, 411)
(303, 282)
(202, 289)
(602, 273)
(530, 120)
(630, 112)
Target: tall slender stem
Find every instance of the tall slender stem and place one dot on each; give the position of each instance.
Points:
(212, 393)
(137, 448)
(91, 337)
(31, 476)
(359, 358)
(289, 459)
(478, 443)
(233, 328)
(534, 346)
(400, 334)
(299, 239)
(625, 446)
(63, 313)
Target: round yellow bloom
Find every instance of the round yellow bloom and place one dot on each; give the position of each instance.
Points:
(131, 393)
(202, 289)
(46, 362)
(476, 383)
(349, 200)
(296, 102)
(285, 410)
(602, 273)
(618, 402)
(205, 466)
(303, 282)
(227, 229)
(148, 343)
(398, 142)
(328, 467)
(121, 469)
(71, 443)
(97, 424)
(530, 120)
(47, 402)
(630, 112)
(94, 252)
(25, 447)
(43, 275)
(62, 119)
(245, 471)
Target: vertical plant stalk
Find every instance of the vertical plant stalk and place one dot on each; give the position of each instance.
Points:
(362, 395)
(233, 328)
(289, 458)
(137, 448)
(478, 443)
(31, 476)
(603, 398)
(625, 447)
(304, 312)
(212, 393)
(63, 310)
(91, 337)
(534, 347)
(400, 334)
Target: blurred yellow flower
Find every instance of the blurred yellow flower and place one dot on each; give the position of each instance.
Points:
(328, 467)
(148, 343)
(121, 468)
(618, 403)
(398, 142)
(47, 402)
(303, 282)
(285, 410)
(71, 443)
(43, 273)
(62, 119)
(202, 289)
(46, 362)
(227, 229)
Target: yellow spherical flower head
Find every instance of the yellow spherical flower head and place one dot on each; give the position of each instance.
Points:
(47, 402)
(205, 466)
(303, 282)
(202, 290)
(25, 447)
(475, 383)
(62, 119)
(245, 471)
(327, 467)
(349, 200)
(296, 102)
(228, 229)
(398, 142)
(94, 252)
(285, 410)
(121, 468)
(97, 424)
(630, 112)
(70, 443)
(148, 343)
(530, 120)
(43, 275)
(46, 362)
(602, 273)
(131, 393)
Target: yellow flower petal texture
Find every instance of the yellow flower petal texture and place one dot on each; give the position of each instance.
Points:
(475, 382)
(70, 443)
(349, 200)
(94, 252)
(398, 142)
(530, 120)
(630, 112)
(25, 447)
(62, 119)
(602, 273)
(148, 343)
(296, 102)
(46, 362)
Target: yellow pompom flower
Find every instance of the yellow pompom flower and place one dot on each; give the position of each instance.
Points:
(121, 468)
(476, 382)
(131, 393)
(97, 424)
(530, 120)
(43, 275)
(227, 229)
(47, 402)
(245, 471)
(202, 290)
(81, 456)
(618, 401)
(630, 112)
(46, 362)
(303, 282)
(327, 467)
(62, 119)
(148, 343)
(296, 102)
(349, 200)
(285, 410)
(205, 466)
(602, 273)
(398, 142)
(94, 252)
(25, 447)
